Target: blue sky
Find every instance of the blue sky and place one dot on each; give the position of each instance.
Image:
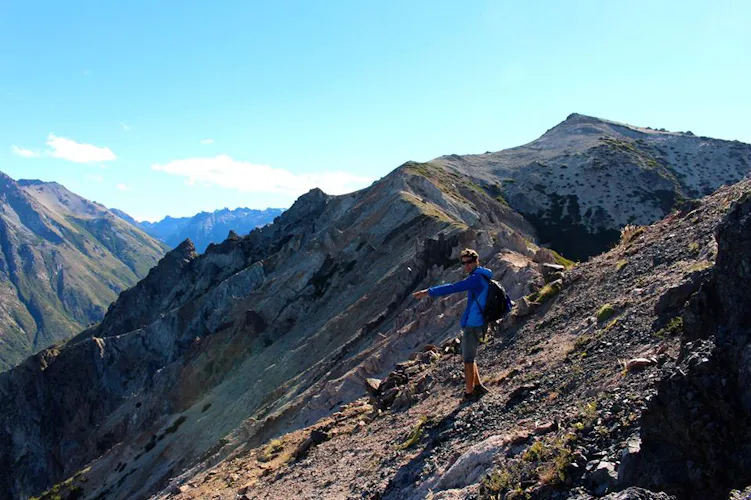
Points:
(170, 108)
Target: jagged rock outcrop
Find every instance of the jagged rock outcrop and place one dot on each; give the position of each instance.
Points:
(696, 437)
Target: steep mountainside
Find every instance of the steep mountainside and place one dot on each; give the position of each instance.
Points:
(586, 178)
(206, 228)
(63, 260)
(257, 334)
(274, 334)
(632, 381)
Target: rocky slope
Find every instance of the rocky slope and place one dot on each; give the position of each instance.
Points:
(586, 178)
(631, 382)
(212, 357)
(206, 228)
(258, 334)
(63, 260)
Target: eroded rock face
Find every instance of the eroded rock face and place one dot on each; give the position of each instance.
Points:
(258, 334)
(696, 438)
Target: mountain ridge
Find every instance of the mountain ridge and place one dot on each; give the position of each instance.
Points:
(206, 228)
(574, 182)
(306, 308)
(63, 260)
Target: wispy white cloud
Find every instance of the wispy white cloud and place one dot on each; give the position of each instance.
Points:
(224, 171)
(122, 187)
(141, 217)
(77, 152)
(207, 141)
(26, 153)
(125, 127)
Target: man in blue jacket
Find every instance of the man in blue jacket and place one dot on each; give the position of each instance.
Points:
(473, 323)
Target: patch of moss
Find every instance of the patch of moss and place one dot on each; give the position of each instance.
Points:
(588, 414)
(605, 312)
(563, 261)
(538, 451)
(546, 292)
(673, 327)
(415, 434)
(700, 266)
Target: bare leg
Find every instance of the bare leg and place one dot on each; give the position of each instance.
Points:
(476, 378)
(469, 376)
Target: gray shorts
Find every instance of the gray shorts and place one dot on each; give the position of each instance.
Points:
(471, 336)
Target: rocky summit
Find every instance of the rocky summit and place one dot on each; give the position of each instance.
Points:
(587, 177)
(63, 260)
(295, 362)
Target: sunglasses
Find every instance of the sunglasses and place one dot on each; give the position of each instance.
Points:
(465, 262)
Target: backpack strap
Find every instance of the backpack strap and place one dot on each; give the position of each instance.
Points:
(482, 310)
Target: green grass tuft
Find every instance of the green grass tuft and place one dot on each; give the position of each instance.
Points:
(672, 328)
(271, 450)
(546, 292)
(605, 312)
(563, 261)
(415, 435)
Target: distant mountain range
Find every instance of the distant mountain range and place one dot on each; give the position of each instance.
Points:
(206, 227)
(63, 260)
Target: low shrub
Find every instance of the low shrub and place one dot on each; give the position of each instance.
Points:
(271, 450)
(629, 233)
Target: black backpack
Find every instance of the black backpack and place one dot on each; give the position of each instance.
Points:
(498, 303)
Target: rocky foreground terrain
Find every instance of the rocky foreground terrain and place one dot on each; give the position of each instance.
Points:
(243, 370)
(634, 378)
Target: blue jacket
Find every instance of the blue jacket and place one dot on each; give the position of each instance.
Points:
(476, 287)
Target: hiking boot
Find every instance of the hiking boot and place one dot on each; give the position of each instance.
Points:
(479, 391)
(467, 397)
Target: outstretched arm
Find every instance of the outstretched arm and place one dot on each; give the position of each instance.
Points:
(471, 282)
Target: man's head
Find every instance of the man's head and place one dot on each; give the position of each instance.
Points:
(470, 260)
